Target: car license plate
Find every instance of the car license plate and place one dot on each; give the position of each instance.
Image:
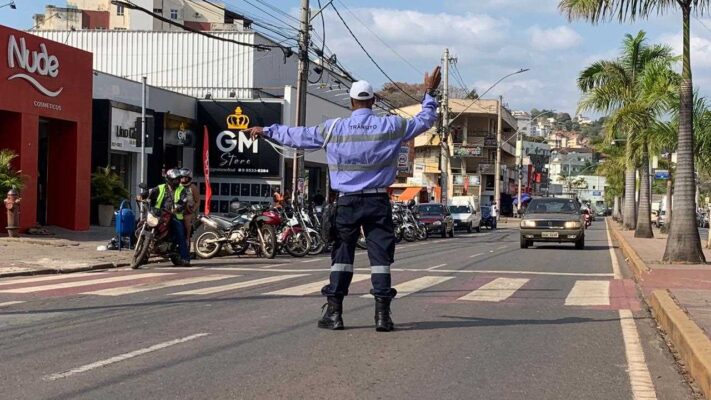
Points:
(549, 234)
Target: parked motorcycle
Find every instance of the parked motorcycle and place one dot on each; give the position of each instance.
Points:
(291, 236)
(252, 228)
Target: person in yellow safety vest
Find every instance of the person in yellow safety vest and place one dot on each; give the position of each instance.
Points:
(173, 198)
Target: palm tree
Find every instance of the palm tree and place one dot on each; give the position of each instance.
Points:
(612, 167)
(625, 89)
(683, 243)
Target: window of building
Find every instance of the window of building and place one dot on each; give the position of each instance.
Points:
(158, 11)
(173, 13)
(119, 10)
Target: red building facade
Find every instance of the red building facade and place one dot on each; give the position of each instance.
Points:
(45, 117)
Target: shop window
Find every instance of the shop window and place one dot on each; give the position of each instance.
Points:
(173, 13)
(119, 10)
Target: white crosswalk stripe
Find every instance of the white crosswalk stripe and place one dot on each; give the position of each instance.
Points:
(66, 285)
(589, 293)
(46, 278)
(497, 290)
(239, 285)
(310, 288)
(416, 285)
(118, 291)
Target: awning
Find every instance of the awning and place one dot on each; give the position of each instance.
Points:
(409, 194)
(525, 198)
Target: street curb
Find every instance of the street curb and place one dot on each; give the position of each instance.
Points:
(67, 270)
(639, 267)
(689, 340)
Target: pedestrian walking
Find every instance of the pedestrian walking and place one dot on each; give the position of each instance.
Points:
(362, 153)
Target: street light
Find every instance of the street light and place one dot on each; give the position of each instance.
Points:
(11, 4)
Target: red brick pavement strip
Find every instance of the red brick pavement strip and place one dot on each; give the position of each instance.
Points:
(675, 316)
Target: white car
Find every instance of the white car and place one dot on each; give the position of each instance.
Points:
(465, 216)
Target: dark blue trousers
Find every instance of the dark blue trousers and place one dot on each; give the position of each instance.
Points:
(372, 212)
(178, 229)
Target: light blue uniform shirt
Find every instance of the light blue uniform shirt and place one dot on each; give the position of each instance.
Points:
(363, 150)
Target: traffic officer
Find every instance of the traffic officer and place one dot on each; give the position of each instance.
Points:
(362, 154)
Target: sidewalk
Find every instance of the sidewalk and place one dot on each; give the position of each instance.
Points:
(680, 297)
(65, 251)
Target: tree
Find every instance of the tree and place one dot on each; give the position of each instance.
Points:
(9, 177)
(683, 243)
(397, 98)
(620, 88)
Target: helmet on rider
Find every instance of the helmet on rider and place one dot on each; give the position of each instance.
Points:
(172, 177)
(186, 176)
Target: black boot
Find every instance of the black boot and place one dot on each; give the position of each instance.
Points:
(383, 322)
(332, 317)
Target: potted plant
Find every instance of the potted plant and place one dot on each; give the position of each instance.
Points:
(107, 190)
(9, 177)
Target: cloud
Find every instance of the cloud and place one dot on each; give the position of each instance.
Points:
(700, 48)
(559, 38)
(541, 6)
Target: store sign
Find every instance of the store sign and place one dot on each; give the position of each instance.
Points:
(33, 63)
(466, 151)
(233, 152)
(126, 132)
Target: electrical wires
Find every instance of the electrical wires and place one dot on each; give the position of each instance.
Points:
(371, 57)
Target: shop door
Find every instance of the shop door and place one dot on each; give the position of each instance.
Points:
(42, 164)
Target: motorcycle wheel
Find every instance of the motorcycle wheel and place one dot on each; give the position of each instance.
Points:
(398, 235)
(269, 245)
(317, 244)
(422, 234)
(409, 235)
(297, 245)
(204, 249)
(175, 259)
(140, 253)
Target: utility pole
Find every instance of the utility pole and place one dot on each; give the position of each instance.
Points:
(143, 131)
(444, 138)
(497, 172)
(519, 164)
(301, 85)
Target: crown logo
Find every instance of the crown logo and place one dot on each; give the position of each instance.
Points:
(237, 121)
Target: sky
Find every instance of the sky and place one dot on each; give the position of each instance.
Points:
(489, 38)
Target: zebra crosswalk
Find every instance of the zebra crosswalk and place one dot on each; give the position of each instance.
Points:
(443, 286)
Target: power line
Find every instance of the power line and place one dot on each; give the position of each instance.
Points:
(277, 9)
(371, 57)
(128, 4)
(386, 44)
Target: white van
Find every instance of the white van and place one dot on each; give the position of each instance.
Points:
(465, 214)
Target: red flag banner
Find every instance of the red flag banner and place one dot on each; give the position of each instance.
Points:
(206, 170)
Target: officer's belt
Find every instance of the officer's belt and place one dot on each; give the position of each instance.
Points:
(365, 191)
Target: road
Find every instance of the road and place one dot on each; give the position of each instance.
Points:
(478, 318)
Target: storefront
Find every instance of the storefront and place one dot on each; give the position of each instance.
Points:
(239, 166)
(45, 103)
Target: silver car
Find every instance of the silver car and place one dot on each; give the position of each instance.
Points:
(555, 220)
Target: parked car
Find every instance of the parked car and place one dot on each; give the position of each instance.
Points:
(661, 218)
(437, 218)
(655, 217)
(702, 219)
(465, 217)
(553, 220)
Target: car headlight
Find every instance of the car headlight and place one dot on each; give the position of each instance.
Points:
(437, 223)
(528, 224)
(572, 225)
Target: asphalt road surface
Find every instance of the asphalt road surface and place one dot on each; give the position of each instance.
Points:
(477, 318)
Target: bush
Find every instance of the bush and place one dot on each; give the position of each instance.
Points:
(107, 187)
(9, 177)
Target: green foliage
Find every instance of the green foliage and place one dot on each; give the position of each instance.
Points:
(9, 177)
(107, 187)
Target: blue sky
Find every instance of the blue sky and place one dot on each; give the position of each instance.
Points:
(489, 37)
